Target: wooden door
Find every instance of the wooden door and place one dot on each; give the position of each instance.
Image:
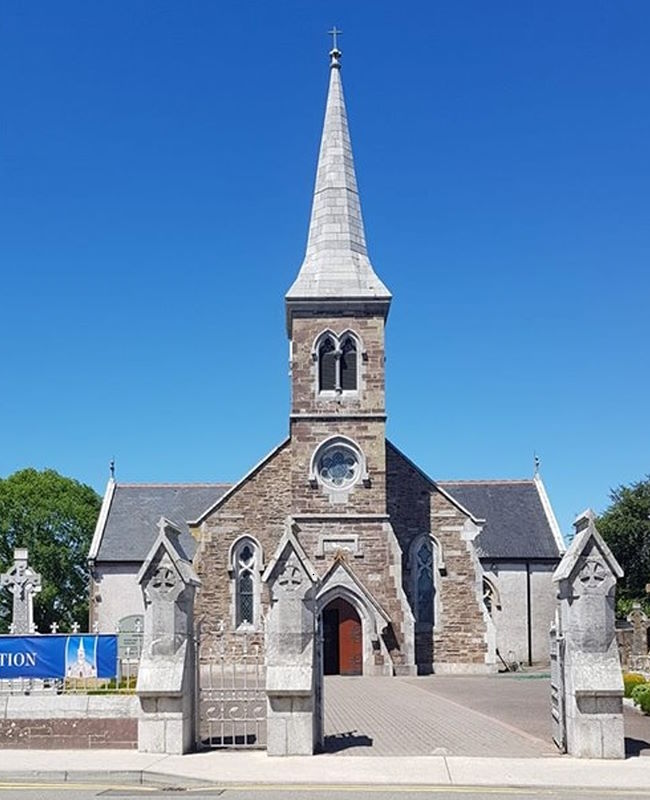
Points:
(350, 659)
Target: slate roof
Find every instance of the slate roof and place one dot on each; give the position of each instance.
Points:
(516, 524)
(132, 522)
(336, 263)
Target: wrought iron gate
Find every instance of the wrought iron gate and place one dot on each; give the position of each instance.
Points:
(557, 688)
(231, 693)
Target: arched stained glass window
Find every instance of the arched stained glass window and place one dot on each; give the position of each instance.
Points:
(327, 365)
(348, 365)
(490, 597)
(246, 577)
(424, 587)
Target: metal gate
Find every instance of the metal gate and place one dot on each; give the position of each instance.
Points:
(231, 693)
(557, 688)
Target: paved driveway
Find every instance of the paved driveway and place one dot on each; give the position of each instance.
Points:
(497, 715)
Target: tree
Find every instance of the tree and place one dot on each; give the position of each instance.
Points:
(54, 518)
(625, 526)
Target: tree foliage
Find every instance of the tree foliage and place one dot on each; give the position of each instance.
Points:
(625, 526)
(54, 518)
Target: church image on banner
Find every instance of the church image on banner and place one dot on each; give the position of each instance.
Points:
(417, 575)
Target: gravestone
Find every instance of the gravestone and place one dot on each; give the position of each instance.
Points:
(591, 678)
(166, 675)
(294, 716)
(23, 582)
(130, 632)
(640, 623)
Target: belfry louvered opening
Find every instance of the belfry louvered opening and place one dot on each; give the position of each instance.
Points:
(338, 369)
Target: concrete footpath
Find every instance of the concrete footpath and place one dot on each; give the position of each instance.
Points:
(255, 768)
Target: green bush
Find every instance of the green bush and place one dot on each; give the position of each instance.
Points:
(630, 681)
(639, 691)
(644, 700)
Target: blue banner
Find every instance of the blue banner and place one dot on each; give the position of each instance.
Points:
(83, 655)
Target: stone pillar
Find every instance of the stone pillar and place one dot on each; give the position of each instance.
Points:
(592, 681)
(294, 716)
(167, 673)
(23, 583)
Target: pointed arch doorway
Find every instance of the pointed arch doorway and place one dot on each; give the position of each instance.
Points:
(342, 639)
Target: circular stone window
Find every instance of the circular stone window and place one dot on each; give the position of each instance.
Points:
(338, 466)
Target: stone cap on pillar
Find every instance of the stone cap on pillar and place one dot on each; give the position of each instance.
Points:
(289, 542)
(167, 546)
(586, 539)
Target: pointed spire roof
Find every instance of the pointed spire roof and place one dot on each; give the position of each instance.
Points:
(336, 264)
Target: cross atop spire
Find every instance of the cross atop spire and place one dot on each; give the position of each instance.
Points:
(336, 266)
(335, 53)
(334, 33)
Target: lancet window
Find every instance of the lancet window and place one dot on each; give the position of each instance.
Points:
(337, 363)
(425, 565)
(245, 570)
(490, 597)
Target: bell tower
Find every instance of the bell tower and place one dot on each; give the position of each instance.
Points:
(336, 311)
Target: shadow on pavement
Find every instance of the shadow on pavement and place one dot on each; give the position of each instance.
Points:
(343, 741)
(635, 747)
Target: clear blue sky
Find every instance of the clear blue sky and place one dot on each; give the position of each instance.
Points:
(157, 161)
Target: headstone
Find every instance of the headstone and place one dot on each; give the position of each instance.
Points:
(166, 675)
(591, 669)
(23, 583)
(130, 633)
(293, 697)
(640, 623)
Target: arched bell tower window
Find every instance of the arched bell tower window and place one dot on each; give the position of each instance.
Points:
(338, 363)
(348, 365)
(245, 566)
(327, 365)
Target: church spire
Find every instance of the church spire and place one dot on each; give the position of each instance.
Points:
(336, 264)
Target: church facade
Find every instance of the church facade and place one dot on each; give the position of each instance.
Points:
(416, 576)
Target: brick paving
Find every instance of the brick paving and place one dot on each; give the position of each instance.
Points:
(403, 717)
(497, 715)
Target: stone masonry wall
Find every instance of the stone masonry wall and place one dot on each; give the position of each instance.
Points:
(55, 722)
(257, 508)
(372, 564)
(370, 398)
(416, 507)
(307, 435)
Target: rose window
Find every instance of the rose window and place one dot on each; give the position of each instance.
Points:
(338, 467)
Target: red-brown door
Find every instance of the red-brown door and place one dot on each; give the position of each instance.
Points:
(342, 639)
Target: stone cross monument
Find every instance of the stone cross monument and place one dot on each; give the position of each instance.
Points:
(23, 583)
(166, 676)
(591, 669)
(292, 677)
(639, 647)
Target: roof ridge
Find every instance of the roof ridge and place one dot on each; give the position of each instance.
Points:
(171, 485)
(488, 480)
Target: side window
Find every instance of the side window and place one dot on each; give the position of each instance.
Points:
(491, 598)
(246, 577)
(424, 588)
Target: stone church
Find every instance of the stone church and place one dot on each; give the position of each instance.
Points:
(417, 575)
